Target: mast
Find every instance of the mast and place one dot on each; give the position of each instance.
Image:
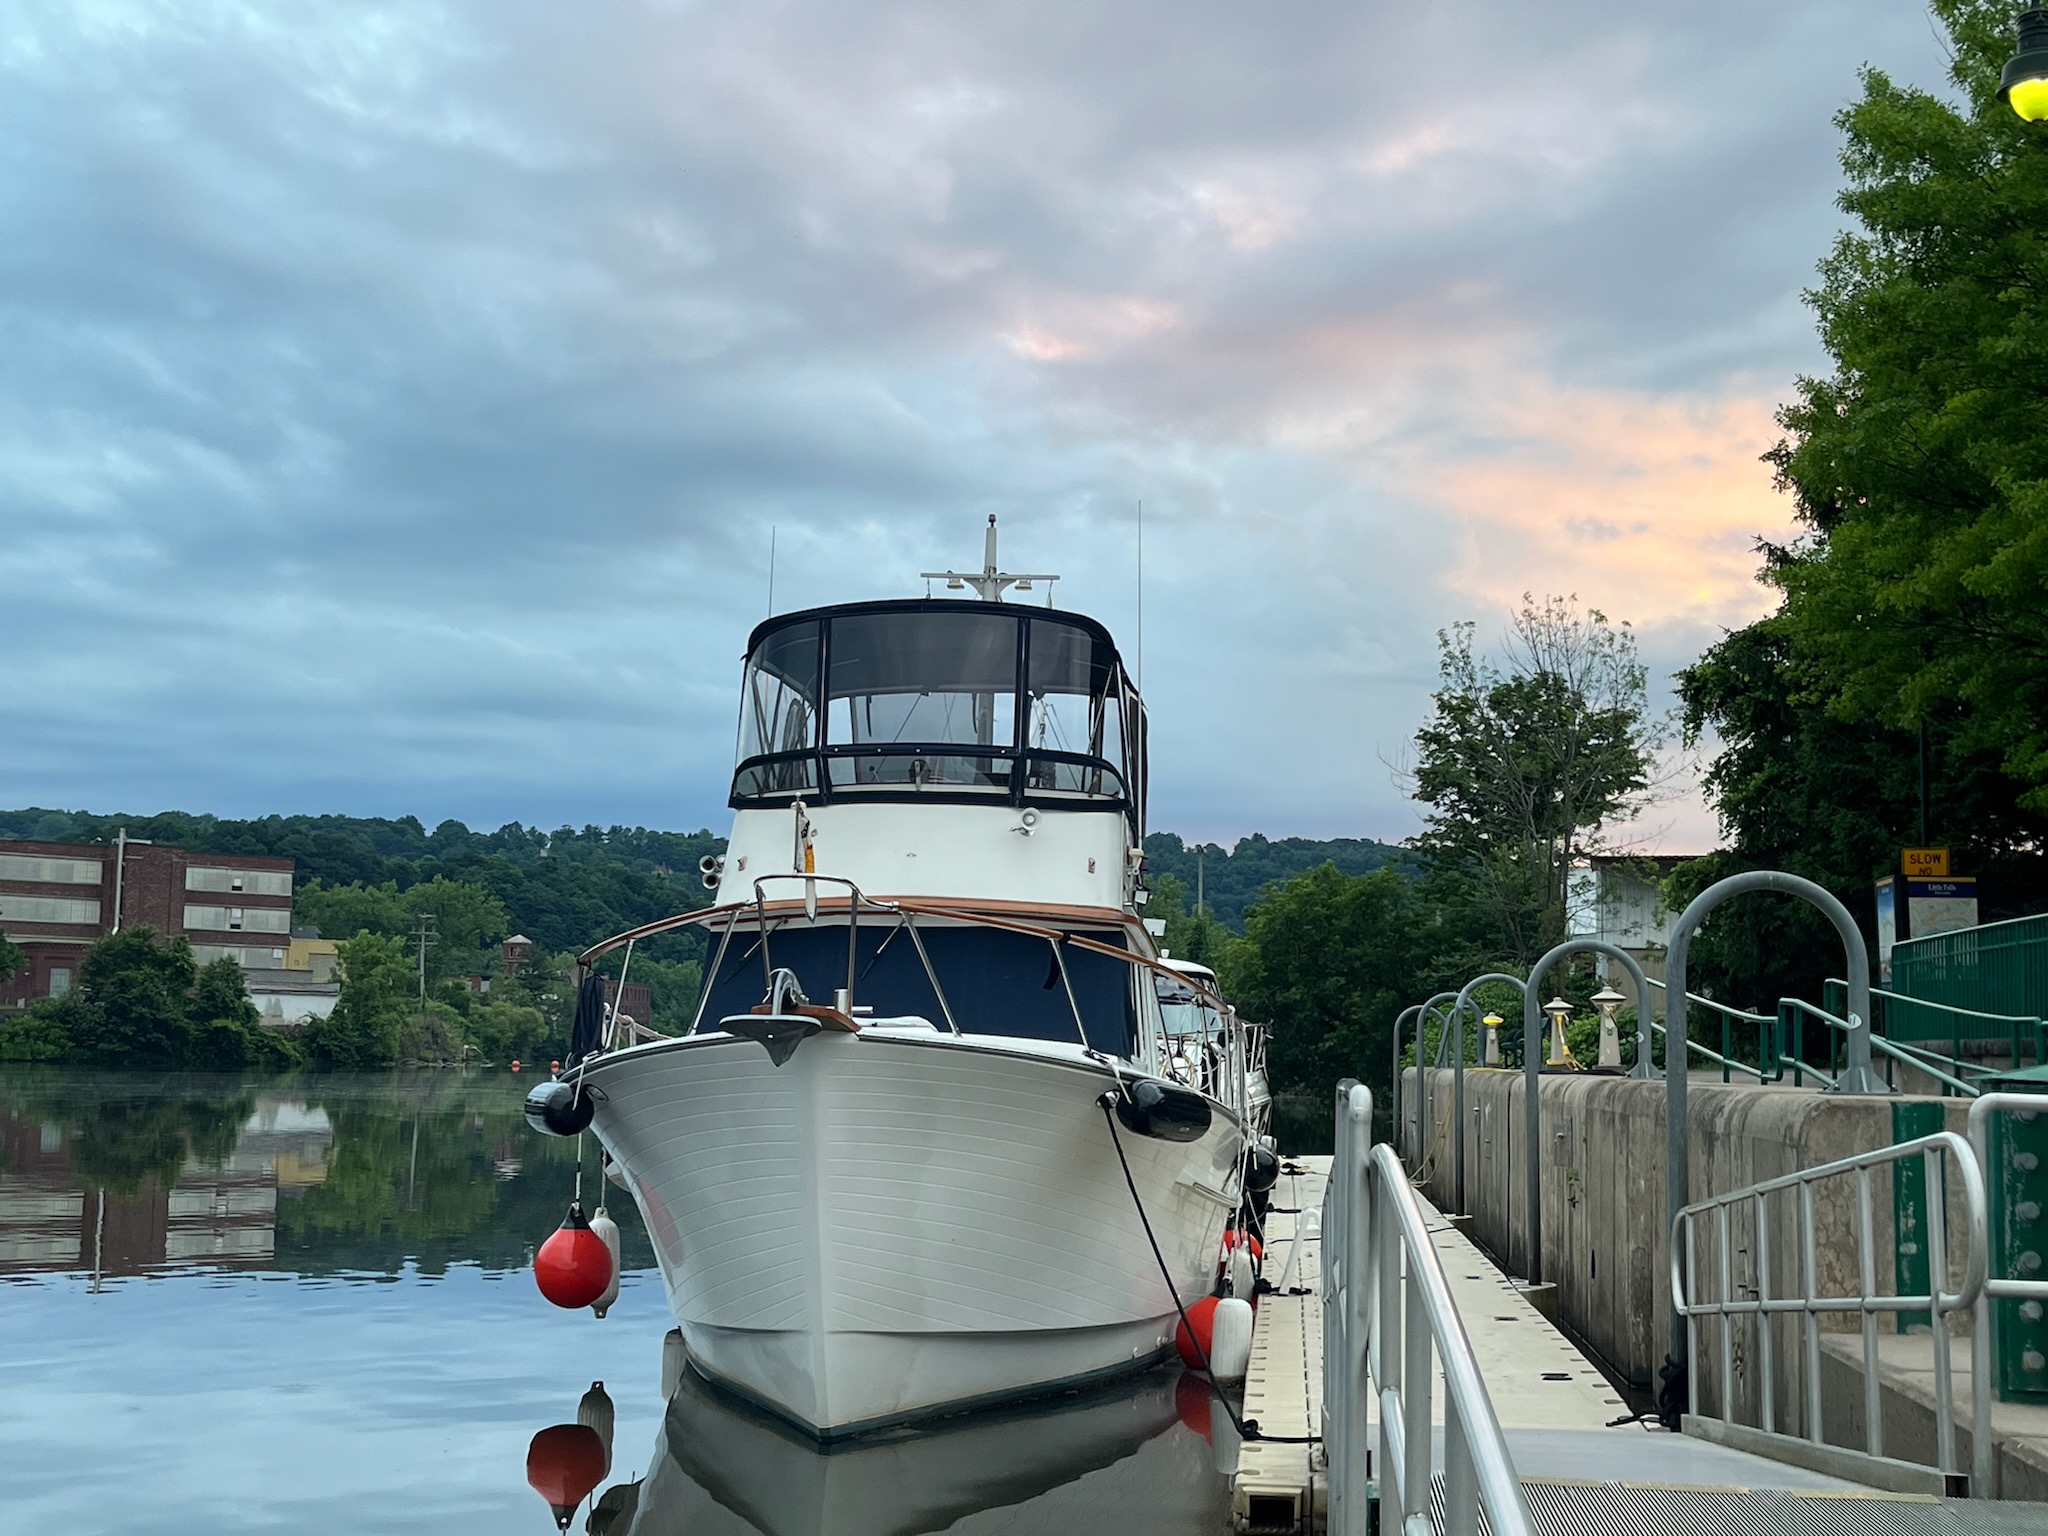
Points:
(990, 582)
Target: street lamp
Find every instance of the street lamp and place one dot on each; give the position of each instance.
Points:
(1560, 1013)
(2024, 85)
(1607, 1000)
(1493, 1022)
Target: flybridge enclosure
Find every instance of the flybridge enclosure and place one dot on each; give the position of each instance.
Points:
(935, 699)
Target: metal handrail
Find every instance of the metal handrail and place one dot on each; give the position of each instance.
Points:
(1868, 1301)
(1879, 1044)
(1983, 1449)
(1917, 1060)
(1727, 1064)
(1388, 1311)
(1729, 1013)
(1924, 1002)
(1708, 1002)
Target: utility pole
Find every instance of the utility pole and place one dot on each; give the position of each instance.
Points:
(423, 935)
(1200, 894)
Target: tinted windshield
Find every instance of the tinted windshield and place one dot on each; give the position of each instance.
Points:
(996, 982)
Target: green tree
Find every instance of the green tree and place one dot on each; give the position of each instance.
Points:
(1919, 464)
(135, 995)
(42, 1032)
(12, 960)
(377, 998)
(1328, 960)
(1524, 762)
(465, 916)
(1194, 936)
(1230, 879)
(226, 1033)
(1801, 789)
(542, 984)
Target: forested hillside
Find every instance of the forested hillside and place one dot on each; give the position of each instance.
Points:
(1230, 879)
(562, 889)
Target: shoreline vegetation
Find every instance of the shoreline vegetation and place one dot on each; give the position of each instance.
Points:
(366, 882)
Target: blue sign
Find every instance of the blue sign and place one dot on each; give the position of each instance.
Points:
(1940, 890)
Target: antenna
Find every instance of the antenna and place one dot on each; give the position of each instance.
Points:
(989, 583)
(771, 570)
(1141, 597)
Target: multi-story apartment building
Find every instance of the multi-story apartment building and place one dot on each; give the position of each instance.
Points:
(56, 898)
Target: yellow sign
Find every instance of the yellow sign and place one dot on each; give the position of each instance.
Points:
(1925, 863)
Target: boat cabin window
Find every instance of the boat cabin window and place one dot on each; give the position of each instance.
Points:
(937, 700)
(779, 713)
(996, 982)
(936, 680)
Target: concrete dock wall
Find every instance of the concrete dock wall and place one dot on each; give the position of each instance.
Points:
(1605, 1227)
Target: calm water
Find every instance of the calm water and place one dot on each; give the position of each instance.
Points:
(230, 1306)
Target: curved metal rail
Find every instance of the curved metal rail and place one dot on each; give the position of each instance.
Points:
(1387, 1315)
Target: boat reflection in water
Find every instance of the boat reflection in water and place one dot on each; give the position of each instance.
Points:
(1117, 1459)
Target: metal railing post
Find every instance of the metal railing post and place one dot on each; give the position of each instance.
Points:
(1422, 1064)
(1417, 1383)
(1400, 1126)
(1397, 1327)
(1532, 1060)
(1458, 1078)
(1856, 1077)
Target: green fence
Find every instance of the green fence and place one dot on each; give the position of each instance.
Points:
(1995, 968)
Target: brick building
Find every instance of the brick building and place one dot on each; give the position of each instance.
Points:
(56, 898)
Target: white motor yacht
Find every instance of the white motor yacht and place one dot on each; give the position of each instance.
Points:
(890, 1171)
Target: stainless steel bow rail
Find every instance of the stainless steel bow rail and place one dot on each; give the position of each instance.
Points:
(1731, 1299)
(1983, 1450)
(1387, 1315)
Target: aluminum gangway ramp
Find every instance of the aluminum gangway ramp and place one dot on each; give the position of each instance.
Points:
(1449, 1405)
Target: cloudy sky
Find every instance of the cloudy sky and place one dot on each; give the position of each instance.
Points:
(396, 401)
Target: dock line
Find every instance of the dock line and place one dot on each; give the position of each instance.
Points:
(1247, 1429)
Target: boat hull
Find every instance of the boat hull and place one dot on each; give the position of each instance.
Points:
(893, 1225)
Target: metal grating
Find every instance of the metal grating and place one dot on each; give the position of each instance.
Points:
(1645, 1509)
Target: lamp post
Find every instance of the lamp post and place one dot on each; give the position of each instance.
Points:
(1493, 1022)
(1560, 1013)
(2024, 84)
(1607, 1000)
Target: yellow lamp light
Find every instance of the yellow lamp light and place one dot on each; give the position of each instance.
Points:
(2024, 84)
(2029, 98)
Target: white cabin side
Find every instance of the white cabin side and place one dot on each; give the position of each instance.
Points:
(963, 852)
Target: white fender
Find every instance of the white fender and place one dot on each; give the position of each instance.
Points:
(1230, 1346)
(608, 1232)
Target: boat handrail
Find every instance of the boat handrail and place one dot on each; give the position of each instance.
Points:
(939, 910)
(1387, 1310)
(906, 911)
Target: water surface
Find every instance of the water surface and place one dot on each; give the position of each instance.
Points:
(233, 1305)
